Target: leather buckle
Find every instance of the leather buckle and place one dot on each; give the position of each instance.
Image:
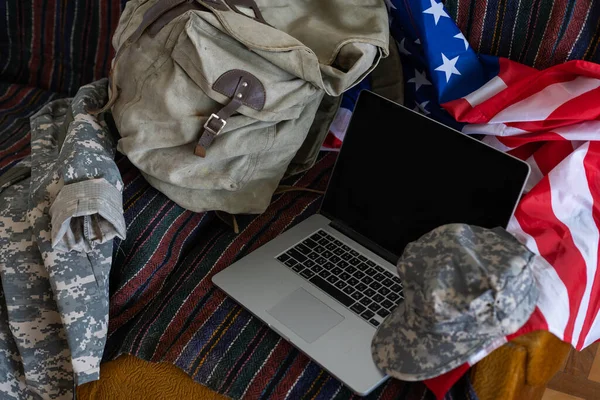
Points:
(211, 130)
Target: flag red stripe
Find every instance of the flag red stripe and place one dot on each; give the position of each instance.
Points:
(536, 322)
(591, 164)
(462, 110)
(523, 82)
(570, 113)
(511, 72)
(551, 154)
(581, 108)
(332, 142)
(525, 151)
(555, 244)
(442, 384)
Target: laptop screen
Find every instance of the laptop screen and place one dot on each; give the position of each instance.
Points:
(400, 175)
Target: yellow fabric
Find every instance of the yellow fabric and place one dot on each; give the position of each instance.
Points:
(130, 378)
(500, 375)
(518, 370)
(521, 368)
(546, 355)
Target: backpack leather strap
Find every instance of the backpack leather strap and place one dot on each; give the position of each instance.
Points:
(244, 89)
(173, 13)
(150, 16)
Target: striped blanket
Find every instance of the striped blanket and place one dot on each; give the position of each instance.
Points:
(165, 308)
(163, 305)
(538, 33)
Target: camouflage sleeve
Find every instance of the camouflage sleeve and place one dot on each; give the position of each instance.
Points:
(85, 214)
(88, 210)
(34, 355)
(72, 165)
(12, 379)
(16, 174)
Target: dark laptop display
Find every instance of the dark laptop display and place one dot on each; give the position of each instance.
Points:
(437, 176)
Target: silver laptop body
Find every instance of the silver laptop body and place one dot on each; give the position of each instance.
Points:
(326, 284)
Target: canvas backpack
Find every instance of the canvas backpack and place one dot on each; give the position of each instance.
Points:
(213, 99)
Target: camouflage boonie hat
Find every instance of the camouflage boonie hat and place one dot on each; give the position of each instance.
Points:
(465, 289)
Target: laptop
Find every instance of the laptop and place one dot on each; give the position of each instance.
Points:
(327, 283)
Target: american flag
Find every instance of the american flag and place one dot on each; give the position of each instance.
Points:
(549, 118)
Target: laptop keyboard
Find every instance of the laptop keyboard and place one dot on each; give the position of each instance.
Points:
(358, 283)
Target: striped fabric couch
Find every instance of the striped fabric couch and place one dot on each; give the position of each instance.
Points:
(163, 304)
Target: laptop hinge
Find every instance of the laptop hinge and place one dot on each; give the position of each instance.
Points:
(370, 245)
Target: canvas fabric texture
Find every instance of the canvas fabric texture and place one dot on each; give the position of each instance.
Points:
(166, 84)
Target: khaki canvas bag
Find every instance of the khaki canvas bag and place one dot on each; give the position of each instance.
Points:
(214, 98)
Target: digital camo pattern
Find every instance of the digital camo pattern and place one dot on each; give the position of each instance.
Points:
(17, 173)
(465, 288)
(32, 338)
(56, 231)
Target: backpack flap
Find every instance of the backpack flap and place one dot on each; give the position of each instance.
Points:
(334, 47)
(212, 104)
(178, 85)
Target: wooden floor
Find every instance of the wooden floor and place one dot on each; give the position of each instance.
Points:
(579, 379)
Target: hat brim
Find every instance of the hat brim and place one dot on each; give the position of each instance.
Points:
(412, 355)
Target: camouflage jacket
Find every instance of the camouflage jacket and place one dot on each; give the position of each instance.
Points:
(59, 211)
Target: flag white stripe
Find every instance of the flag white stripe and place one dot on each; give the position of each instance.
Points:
(514, 227)
(492, 129)
(340, 123)
(487, 91)
(553, 300)
(572, 203)
(540, 105)
(495, 143)
(578, 143)
(583, 131)
(535, 176)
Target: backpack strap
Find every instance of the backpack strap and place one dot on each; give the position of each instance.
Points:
(173, 13)
(244, 89)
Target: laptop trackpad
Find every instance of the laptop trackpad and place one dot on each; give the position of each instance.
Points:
(305, 315)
